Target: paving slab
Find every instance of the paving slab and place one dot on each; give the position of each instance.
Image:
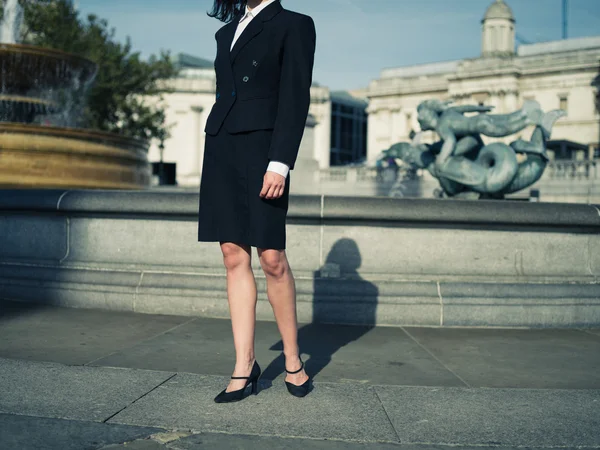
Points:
(140, 444)
(353, 412)
(338, 411)
(201, 346)
(73, 336)
(333, 353)
(594, 331)
(372, 355)
(549, 358)
(48, 389)
(244, 442)
(521, 358)
(494, 417)
(41, 433)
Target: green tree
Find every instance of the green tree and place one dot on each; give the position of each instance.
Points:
(126, 96)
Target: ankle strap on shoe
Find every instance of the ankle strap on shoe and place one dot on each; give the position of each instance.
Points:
(240, 378)
(296, 371)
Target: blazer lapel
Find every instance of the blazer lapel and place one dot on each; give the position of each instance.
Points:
(254, 27)
(223, 66)
(228, 35)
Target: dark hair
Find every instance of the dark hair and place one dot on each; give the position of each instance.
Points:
(226, 10)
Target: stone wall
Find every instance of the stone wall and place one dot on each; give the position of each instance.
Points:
(356, 260)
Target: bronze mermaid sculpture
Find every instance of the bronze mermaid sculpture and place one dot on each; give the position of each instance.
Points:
(463, 164)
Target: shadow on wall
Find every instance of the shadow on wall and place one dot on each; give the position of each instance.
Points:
(27, 245)
(330, 304)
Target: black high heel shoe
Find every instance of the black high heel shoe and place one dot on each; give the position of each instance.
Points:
(295, 390)
(234, 396)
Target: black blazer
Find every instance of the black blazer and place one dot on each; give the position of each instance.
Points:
(264, 81)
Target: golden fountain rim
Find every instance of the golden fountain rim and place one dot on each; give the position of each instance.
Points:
(24, 99)
(73, 133)
(44, 51)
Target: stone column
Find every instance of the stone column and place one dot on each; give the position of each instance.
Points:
(320, 108)
(395, 125)
(198, 140)
(304, 176)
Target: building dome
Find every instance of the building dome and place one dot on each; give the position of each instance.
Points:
(498, 31)
(499, 10)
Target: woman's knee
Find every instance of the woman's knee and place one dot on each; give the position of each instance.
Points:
(273, 263)
(235, 255)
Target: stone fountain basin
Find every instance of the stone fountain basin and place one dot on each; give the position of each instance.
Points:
(33, 156)
(26, 68)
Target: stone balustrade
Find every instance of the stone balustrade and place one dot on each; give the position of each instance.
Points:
(563, 181)
(573, 170)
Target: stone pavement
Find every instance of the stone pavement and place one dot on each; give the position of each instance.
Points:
(91, 379)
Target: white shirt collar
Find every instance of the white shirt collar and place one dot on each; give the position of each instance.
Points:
(254, 11)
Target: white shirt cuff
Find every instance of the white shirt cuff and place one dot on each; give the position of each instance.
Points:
(278, 167)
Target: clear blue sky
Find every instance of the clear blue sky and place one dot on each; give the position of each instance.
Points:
(355, 38)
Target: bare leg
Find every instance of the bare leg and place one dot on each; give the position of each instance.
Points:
(241, 294)
(281, 291)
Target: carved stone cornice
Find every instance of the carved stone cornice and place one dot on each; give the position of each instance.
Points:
(491, 92)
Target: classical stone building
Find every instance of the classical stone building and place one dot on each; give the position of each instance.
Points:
(558, 74)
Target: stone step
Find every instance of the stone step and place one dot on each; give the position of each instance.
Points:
(350, 411)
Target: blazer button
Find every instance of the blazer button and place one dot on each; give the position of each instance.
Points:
(245, 79)
(254, 63)
(232, 93)
(218, 95)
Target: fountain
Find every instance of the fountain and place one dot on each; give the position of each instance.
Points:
(464, 165)
(41, 142)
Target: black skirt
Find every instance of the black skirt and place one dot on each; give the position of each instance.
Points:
(230, 208)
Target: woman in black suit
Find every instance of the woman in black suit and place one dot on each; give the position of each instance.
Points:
(264, 63)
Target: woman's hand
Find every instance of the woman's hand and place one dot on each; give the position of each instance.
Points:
(273, 185)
